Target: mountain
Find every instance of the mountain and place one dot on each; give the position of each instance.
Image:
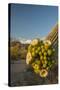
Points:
(21, 40)
(25, 41)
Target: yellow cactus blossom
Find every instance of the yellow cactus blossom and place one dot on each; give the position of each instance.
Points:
(33, 54)
(45, 57)
(47, 42)
(33, 49)
(44, 61)
(28, 57)
(42, 46)
(43, 73)
(34, 42)
(40, 53)
(35, 66)
(38, 48)
(46, 46)
(36, 51)
(49, 52)
(45, 53)
(37, 62)
(43, 50)
(41, 57)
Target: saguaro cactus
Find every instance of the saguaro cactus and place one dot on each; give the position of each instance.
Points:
(41, 52)
(39, 56)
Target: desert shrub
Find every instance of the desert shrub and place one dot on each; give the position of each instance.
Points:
(18, 51)
(14, 52)
(23, 53)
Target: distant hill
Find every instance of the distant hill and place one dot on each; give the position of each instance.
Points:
(18, 50)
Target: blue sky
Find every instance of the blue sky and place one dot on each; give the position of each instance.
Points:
(32, 21)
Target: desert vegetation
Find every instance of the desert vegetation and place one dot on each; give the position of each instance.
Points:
(18, 50)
